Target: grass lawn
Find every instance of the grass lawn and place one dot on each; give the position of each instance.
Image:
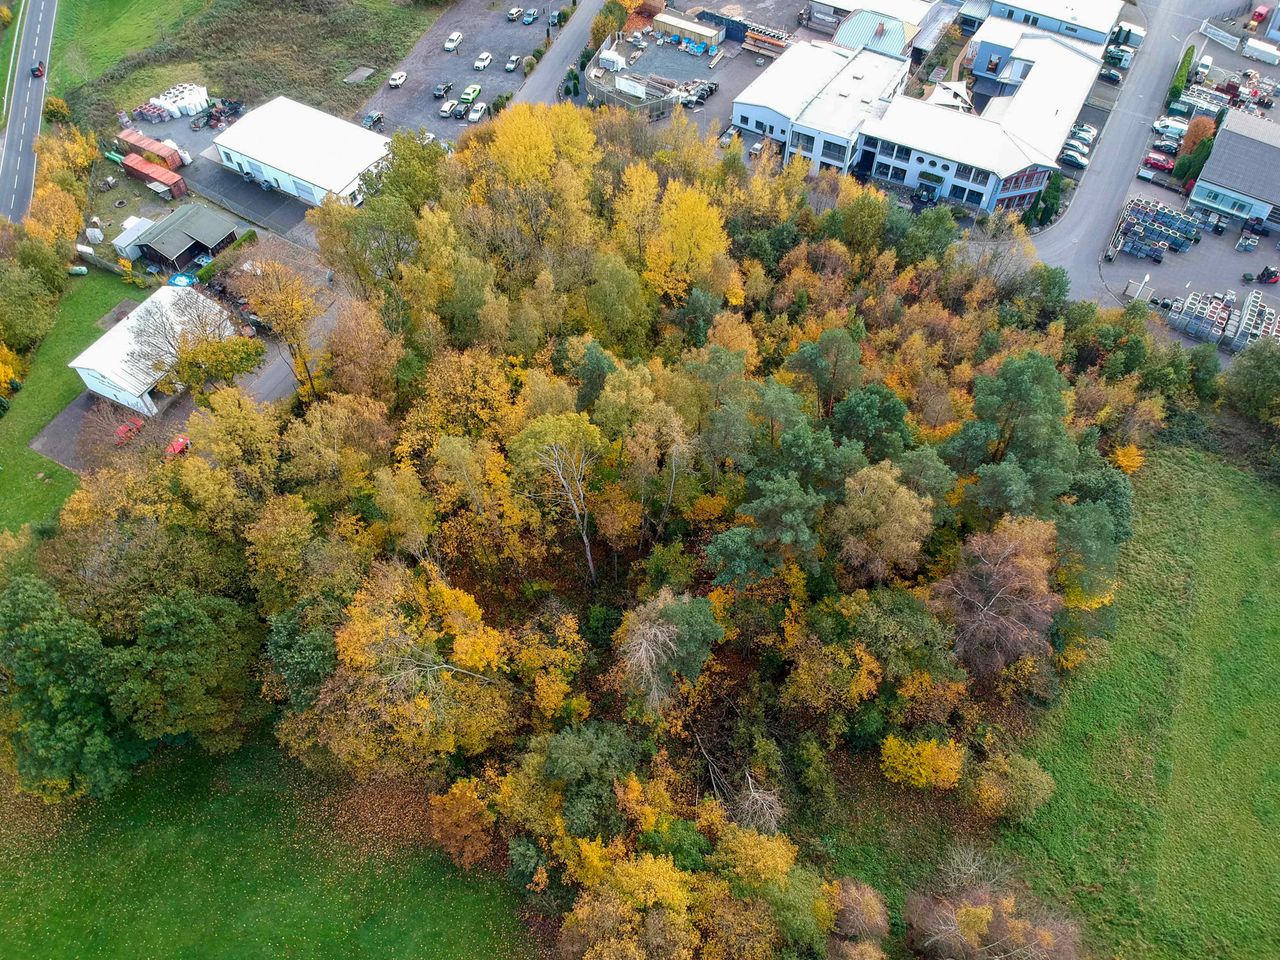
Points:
(226, 858)
(50, 386)
(1164, 832)
(245, 49)
(92, 35)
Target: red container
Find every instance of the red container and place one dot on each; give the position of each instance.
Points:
(136, 142)
(146, 171)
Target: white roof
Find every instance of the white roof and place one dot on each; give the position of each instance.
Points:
(908, 11)
(134, 227)
(308, 144)
(1007, 33)
(109, 355)
(825, 87)
(1014, 132)
(1100, 15)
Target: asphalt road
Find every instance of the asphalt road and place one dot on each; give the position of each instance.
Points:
(26, 102)
(546, 83)
(1078, 239)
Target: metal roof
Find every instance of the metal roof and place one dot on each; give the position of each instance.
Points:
(111, 355)
(1245, 151)
(308, 144)
(875, 31)
(190, 223)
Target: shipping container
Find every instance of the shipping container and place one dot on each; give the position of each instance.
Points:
(142, 169)
(1257, 50)
(136, 142)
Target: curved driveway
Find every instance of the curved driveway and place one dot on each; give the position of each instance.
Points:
(26, 103)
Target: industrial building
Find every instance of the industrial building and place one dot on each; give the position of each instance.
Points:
(845, 109)
(301, 151)
(1089, 20)
(191, 231)
(911, 28)
(1232, 181)
(814, 100)
(111, 366)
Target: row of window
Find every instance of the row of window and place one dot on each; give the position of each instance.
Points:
(962, 195)
(1023, 181)
(1222, 200)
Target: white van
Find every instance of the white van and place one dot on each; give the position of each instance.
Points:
(1202, 70)
(1170, 127)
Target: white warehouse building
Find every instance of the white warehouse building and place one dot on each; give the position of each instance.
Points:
(112, 366)
(815, 98)
(301, 151)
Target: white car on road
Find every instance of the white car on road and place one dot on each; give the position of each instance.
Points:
(455, 38)
(397, 79)
(483, 60)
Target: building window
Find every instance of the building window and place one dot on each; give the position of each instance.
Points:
(226, 157)
(760, 125)
(897, 174)
(1070, 29)
(882, 170)
(963, 171)
(834, 151)
(771, 129)
(802, 142)
(946, 166)
(993, 64)
(957, 192)
(902, 153)
(743, 121)
(870, 143)
(933, 163)
(975, 197)
(919, 159)
(979, 177)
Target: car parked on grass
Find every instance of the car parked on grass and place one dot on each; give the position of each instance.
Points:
(513, 62)
(1069, 158)
(483, 61)
(530, 15)
(448, 108)
(514, 14)
(470, 94)
(1158, 161)
(478, 112)
(454, 40)
(1170, 147)
(1107, 75)
(441, 89)
(397, 79)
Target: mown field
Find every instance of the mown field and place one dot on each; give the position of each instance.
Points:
(113, 54)
(50, 386)
(1165, 829)
(239, 858)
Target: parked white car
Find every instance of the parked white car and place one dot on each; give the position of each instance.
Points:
(483, 60)
(455, 38)
(1070, 158)
(478, 112)
(397, 79)
(515, 13)
(448, 107)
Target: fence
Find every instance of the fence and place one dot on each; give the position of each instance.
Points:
(1218, 35)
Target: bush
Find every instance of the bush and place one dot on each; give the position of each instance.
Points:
(206, 273)
(1179, 84)
(922, 763)
(6, 17)
(56, 110)
(499, 102)
(1252, 383)
(528, 64)
(1011, 787)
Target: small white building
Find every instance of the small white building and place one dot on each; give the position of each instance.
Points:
(111, 366)
(301, 151)
(126, 243)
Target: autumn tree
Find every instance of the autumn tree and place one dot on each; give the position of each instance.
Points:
(665, 638)
(1001, 598)
(1252, 383)
(462, 823)
(561, 450)
(688, 239)
(880, 526)
(287, 301)
(363, 354)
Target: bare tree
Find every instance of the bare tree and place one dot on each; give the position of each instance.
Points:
(758, 806)
(647, 647)
(162, 331)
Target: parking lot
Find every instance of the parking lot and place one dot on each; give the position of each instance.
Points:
(485, 28)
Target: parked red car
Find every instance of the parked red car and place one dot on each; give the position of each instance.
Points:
(177, 447)
(1158, 161)
(128, 430)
